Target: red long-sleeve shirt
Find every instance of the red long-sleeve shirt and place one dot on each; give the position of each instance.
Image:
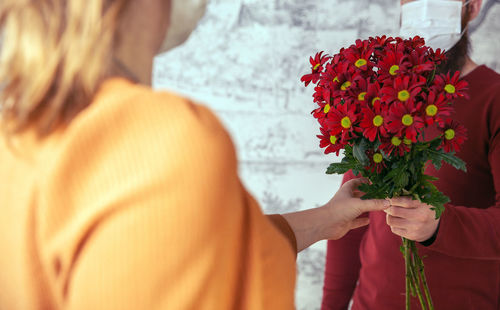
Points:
(463, 263)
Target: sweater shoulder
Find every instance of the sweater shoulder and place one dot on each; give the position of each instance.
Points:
(131, 144)
(125, 116)
(485, 78)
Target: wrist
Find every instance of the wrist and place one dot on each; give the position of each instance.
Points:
(309, 226)
(432, 238)
(327, 222)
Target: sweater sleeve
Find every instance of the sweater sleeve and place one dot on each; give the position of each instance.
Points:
(473, 233)
(282, 225)
(342, 266)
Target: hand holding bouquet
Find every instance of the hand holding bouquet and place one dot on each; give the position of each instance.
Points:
(379, 100)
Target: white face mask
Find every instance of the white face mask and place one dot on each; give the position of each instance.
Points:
(439, 22)
(184, 17)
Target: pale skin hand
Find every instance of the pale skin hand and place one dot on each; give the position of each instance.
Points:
(411, 219)
(334, 219)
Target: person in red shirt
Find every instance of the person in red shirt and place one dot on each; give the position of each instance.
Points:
(461, 250)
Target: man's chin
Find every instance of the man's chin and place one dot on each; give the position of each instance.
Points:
(457, 55)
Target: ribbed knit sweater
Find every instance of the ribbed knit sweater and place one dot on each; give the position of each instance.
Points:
(136, 204)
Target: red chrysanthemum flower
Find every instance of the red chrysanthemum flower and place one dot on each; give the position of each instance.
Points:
(403, 89)
(454, 135)
(373, 122)
(381, 42)
(420, 62)
(438, 56)
(394, 63)
(340, 79)
(452, 85)
(377, 162)
(342, 121)
(360, 90)
(404, 121)
(317, 67)
(413, 43)
(395, 145)
(320, 94)
(331, 143)
(362, 45)
(436, 109)
(373, 93)
(330, 77)
(359, 57)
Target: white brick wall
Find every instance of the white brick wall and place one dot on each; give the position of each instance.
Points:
(245, 60)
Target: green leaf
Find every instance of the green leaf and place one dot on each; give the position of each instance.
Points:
(401, 179)
(438, 156)
(456, 162)
(359, 152)
(340, 168)
(436, 162)
(399, 175)
(374, 190)
(434, 144)
(435, 198)
(348, 151)
(426, 177)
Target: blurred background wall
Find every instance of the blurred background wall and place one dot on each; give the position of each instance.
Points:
(245, 61)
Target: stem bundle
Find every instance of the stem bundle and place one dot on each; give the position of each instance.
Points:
(416, 283)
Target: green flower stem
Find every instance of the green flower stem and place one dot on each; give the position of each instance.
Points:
(408, 275)
(413, 273)
(420, 266)
(418, 280)
(415, 289)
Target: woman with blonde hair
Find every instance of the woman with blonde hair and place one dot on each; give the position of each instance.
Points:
(115, 196)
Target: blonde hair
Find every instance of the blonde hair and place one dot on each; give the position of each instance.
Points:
(53, 56)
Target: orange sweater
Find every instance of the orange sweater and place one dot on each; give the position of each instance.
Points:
(136, 205)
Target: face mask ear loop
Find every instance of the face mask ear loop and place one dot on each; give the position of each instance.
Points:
(466, 3)
(464, 31)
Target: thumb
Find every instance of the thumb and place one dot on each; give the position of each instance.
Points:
(374, 205)
(353, 184)
(404, 202)
(360, 222)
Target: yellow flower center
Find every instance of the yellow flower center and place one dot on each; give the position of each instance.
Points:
(333, 139)
(393, 70)
(407, 141)
(326, 108)
(403, 95)
(396, 141)
(361, 96)
(407, 120)
(346, 122)
(378, 121)
(360, 62)
(316, 66)
(450, 89)
(377, 158)
(449, 134)
(375, 100)
(346, 85)
(431, 110)
(336, 80)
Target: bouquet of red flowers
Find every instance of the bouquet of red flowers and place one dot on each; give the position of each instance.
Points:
(378, 100)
